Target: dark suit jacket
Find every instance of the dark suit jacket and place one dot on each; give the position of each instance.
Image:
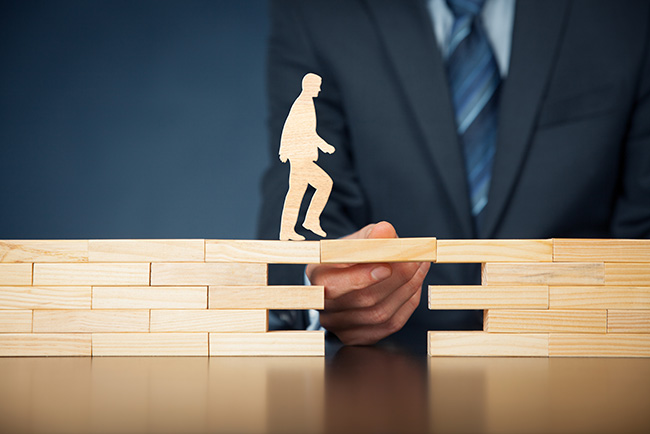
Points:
(573, 149)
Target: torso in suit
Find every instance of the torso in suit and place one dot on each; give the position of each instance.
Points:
(573, 146)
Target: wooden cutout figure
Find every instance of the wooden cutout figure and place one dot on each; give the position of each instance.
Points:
(299, 145)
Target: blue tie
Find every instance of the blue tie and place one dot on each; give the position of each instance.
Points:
(474, 82)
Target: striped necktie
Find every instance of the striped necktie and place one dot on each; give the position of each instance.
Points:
(474, 81)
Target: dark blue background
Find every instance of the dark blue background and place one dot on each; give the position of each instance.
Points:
(131, 119)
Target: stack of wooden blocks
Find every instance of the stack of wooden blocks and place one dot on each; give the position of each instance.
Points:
(549, 298)
(151, 297)
(557, 297)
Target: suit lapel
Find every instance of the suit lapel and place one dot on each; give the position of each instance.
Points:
(537, 31)
(407, 33)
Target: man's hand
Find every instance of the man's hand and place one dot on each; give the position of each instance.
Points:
(367, 302)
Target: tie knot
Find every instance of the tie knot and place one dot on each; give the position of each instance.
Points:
(465, 7)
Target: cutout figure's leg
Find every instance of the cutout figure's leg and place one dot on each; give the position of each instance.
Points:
(297, 188)
(323, 185)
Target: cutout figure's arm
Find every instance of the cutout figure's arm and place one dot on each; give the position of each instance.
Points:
(325, 147)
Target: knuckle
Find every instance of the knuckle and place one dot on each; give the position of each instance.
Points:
(379, 315)
(394, 324)
(365, 299)
(407, 271)
(412, 286)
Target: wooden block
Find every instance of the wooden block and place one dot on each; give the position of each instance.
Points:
(44, 251)
(599, 345)
(280, 343)
(378, 250)
(91, 274)
(627, 274)
(264, 251)
(43, 297)
(605, 250)
(90, 321)
(544, 321)
(267, 297)
(150, 344)
(477, 343)
(208, 274)
(15, 321)
(148, 297)
(16, 274)
(628, 321)
(488, 297)
(599, 297)
(209, 320)
(146, 250)
(44, 344)
(468, 251)
(572, 273)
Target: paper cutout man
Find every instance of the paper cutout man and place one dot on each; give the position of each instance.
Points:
(299, 145)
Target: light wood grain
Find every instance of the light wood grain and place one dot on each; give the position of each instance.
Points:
(486, 297)
(150, 344)
(267, 297)
(276, 343)
(146, 250)
(477, 343)
(599, 345)
(599, 297)
(44, 344)
(245, 320)
(15, 274)
(472, 251)
(545, 321)
(300, 145)
(15, 321)
(378, 250)
(91, 274)
(90, 321)
(262, 251)
(208, 274)
(44, 297)
(148, 297)
(43, 250)
(627, 274)
(600, 250)
(628, 321)
(543, 274)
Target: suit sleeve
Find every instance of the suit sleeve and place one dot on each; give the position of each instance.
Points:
(632, 208)
(291, 54)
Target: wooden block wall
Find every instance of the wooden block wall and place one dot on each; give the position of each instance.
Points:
(150, 298)
(557, 297)
(597, 295)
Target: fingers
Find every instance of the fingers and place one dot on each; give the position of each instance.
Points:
(366, 327)
(368, 335)
(343, 280)
(371, 308)
(369, 292)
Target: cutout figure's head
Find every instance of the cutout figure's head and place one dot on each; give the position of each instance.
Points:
(311, 84)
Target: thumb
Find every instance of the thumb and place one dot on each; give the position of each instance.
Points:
(375, 230)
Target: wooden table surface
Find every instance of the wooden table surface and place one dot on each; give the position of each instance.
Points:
(356, 390)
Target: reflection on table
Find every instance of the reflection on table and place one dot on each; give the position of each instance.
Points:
(358, 389)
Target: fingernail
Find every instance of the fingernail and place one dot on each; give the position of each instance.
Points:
(380, 273)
